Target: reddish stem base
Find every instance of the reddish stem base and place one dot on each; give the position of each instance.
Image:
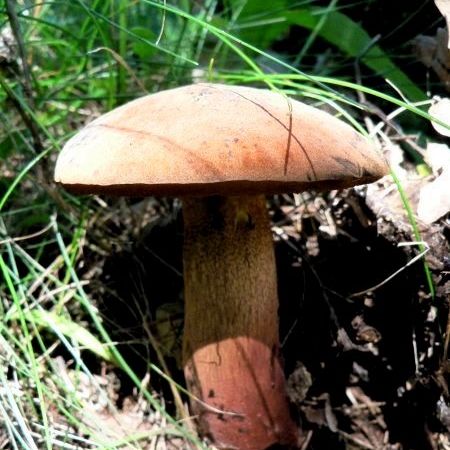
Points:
(231, 341)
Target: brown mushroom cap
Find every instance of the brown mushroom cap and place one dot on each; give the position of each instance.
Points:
(206, 139)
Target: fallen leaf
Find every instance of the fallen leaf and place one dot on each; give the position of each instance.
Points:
(438, 157)
(444, 9)
(440, 109)
(434, 52)
(434, 197)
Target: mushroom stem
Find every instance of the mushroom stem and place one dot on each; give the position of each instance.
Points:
(231, 345)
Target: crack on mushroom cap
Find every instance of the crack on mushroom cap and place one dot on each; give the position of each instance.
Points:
(288, 128)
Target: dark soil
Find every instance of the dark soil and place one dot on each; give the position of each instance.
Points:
(374, 359)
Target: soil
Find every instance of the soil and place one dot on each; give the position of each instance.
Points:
(364, 371)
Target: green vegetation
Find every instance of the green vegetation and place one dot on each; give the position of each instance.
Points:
(69, 61)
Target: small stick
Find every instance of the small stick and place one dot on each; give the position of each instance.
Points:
(26, 83)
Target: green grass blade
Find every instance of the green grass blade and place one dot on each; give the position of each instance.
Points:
(353, 40)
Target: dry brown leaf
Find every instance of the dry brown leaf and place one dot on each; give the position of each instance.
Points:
(444, 9)
(434, 52)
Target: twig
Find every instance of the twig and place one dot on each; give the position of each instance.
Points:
(307, 440)
(357, 441)
(26, 83)
(29, 123)
(27, 236)
(15, 27)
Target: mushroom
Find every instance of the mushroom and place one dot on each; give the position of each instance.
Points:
(221, 149)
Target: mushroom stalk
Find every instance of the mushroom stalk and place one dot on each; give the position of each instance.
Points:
(231, 345)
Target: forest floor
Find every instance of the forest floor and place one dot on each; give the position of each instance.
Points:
(363, 340)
